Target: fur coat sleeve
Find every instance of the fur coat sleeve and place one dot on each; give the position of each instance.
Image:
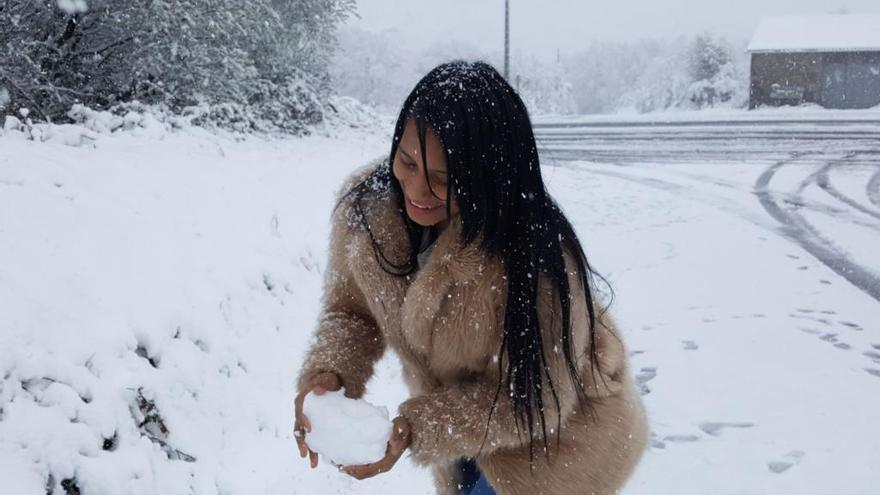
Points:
(348, 341)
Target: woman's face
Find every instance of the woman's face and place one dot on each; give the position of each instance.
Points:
(425, 198)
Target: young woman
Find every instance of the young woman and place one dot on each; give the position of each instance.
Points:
(453, 254)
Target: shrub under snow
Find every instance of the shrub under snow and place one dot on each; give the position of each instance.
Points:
(263, 61)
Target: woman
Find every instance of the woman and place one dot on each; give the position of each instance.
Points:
(453, 254)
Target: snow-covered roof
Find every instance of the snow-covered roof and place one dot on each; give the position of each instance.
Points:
(817, 33)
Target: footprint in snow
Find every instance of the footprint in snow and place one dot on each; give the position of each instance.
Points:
(854, 326)
(790, 459)
(690, 345)
(831, 338)
(714, 428)
(873, 371)
(656, 443)
(645, 375)
(875, 356)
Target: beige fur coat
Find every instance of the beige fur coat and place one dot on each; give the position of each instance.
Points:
(445, 323)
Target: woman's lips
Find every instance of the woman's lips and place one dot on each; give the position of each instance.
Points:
(422, 209)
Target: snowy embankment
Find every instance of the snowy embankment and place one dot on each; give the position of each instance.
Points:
(158, 289)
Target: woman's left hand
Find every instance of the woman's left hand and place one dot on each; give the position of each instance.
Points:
(400, 439)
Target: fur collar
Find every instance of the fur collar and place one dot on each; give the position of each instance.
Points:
(451, 263)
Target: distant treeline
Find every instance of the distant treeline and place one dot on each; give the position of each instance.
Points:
(646, 75)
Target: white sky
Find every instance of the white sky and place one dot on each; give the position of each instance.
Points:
(543, 26)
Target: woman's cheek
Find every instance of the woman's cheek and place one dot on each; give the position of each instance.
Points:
(396, 171)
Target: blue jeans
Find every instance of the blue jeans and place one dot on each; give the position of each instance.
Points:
(472, 480)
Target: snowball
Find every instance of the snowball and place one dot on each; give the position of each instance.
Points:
(346, 431)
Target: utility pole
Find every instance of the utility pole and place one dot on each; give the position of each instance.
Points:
(507, 39)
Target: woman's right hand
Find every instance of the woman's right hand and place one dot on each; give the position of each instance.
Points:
(320, 383)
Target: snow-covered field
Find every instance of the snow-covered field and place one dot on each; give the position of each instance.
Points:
(158, 289)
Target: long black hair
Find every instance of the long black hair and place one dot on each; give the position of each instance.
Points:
(495, 178)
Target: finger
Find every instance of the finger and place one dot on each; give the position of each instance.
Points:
(313, 459)
(302, 424)
(369, 470)
(400, 435)
(394, 444)
(301, 420)
(361, 472)
(397, 437)
(301, 444)
(298, 407)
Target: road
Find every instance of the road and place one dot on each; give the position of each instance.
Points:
(840, 158)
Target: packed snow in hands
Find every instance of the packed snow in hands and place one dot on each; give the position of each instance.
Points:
(346, 431)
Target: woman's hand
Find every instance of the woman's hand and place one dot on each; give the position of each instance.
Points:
(320, 383)
(401, 437)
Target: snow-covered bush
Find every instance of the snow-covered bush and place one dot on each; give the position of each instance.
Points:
(712, 69)
(688, 74)
(176, 52)
(663, 82)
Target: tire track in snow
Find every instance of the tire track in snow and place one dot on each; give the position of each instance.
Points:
(796, 228)
(873, 188)
(824, 182)
(673, 188)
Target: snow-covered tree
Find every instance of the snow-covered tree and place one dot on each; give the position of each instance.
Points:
(663, 82)
(712, 70)
(688, 74)
(57, 53)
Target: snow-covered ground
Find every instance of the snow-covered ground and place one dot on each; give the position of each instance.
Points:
(158, 290)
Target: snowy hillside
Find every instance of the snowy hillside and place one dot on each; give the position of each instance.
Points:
(156, 293)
